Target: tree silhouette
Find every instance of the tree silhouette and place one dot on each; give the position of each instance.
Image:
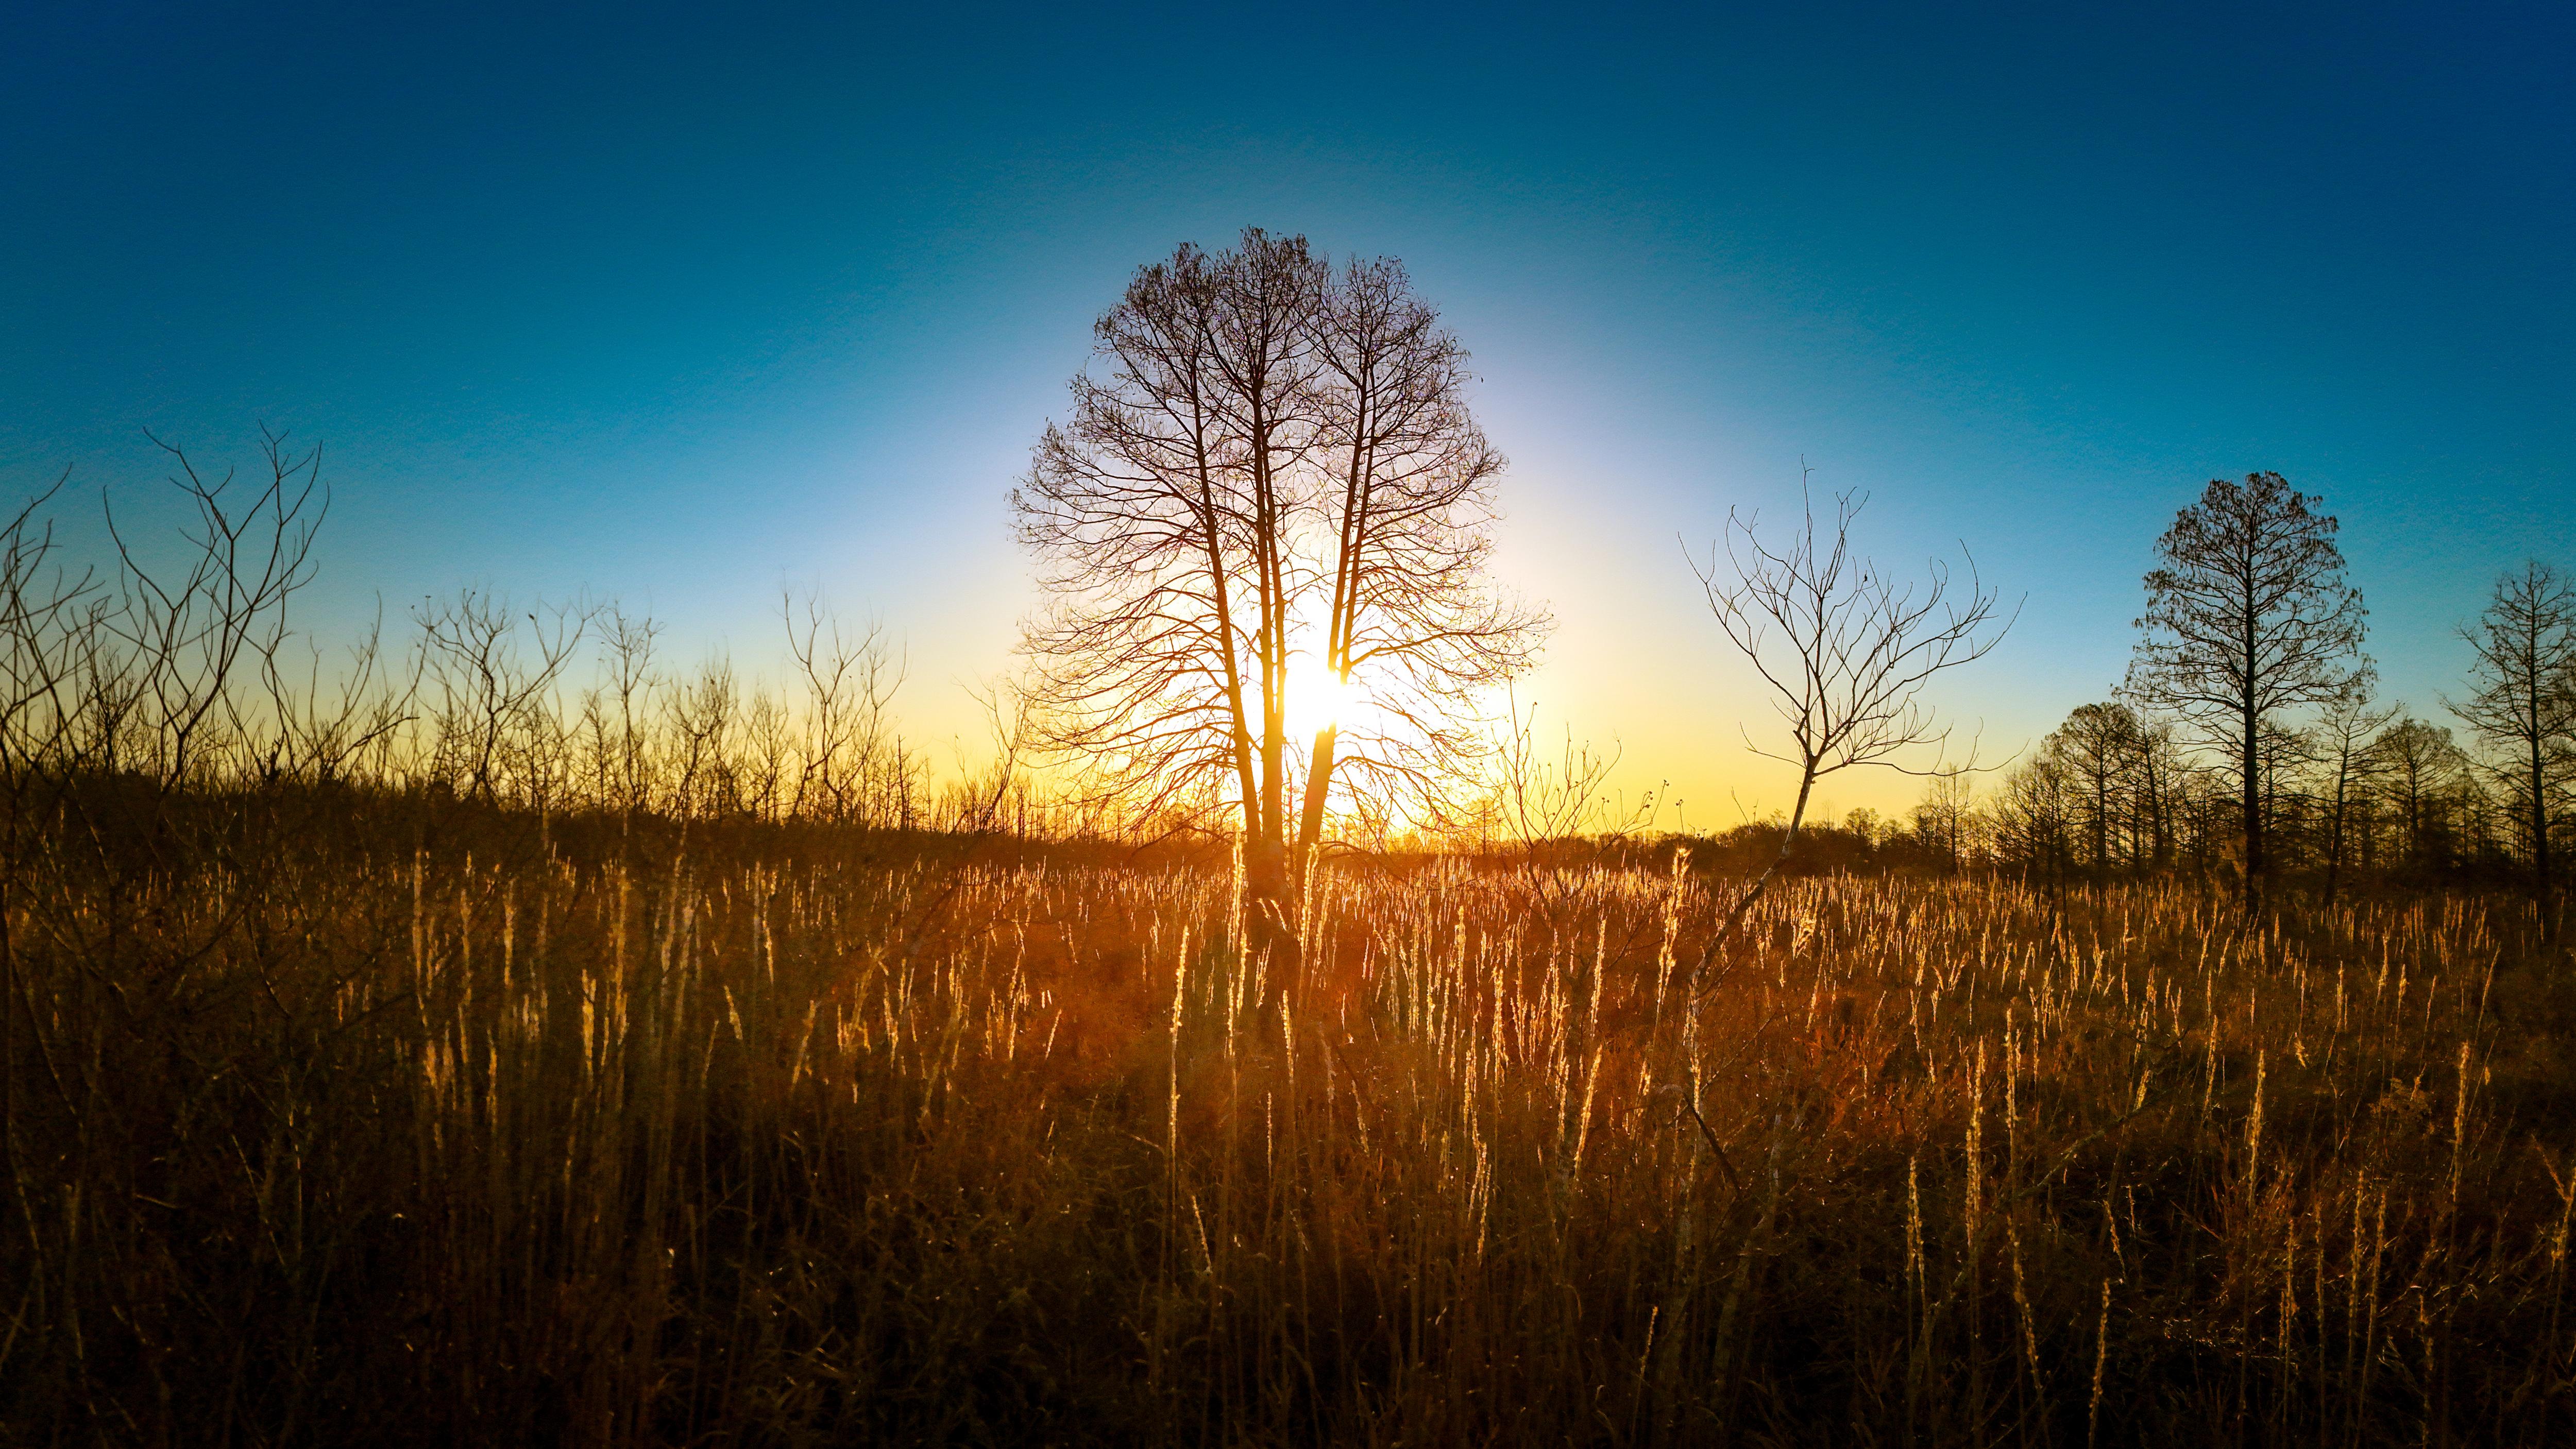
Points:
(2421, 770)
(2099, 746)
(1845, 650)
(2248, 615)
(2523, 702)
(1267, 459)
(2344, 739)
(1408, 496)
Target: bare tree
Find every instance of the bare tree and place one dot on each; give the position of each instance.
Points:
(701, 719)
(486, 683)
(2248, 615)
(769, 743)
(615, 712)
(2099, 745)
(1155, 672)
(171, 642)
(2285, 754)
(1265, 461)
(317, 732)
(986, 788)
(2421, 769)
(1410, 623)
(1268, 292)
(41, 606)
(1538, 795)
(2344, 736)
(1845, 650)
(2123, 783)
(2033, 818)
(1941, 818)
(850, 682)
(2522, 703)
(2162, 793)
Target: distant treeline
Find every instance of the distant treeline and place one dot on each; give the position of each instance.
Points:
(2108, 795)
(2407, 833)
(190, 679)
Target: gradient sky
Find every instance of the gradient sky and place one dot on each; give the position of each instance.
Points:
(678, 307)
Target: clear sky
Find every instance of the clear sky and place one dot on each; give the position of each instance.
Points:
(681, 306)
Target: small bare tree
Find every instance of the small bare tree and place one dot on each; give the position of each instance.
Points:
(616, 723)
(2422, 772)
(2033, 819)
(2163, 783)
(42, 604)
(2344, 738)
(2099, 745)
(171, 643)
(1539, 794)
(324, 733)
(491, 681)
(701, 718)
(1941, 817)
(985, 788)
(769, 743)
(850, 681)
(1845, 651)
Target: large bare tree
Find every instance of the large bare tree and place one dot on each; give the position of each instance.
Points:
(1267, 460)
(1409, 624)
(1155, 675)
(2523, 703)
(2248, 615)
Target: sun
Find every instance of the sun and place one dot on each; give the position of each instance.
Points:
(1316, 699)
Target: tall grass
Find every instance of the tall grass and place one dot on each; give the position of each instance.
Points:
(387, 1121)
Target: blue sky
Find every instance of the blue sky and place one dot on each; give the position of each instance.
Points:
(681, 306)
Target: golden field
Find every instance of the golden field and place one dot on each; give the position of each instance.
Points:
(452, 1125)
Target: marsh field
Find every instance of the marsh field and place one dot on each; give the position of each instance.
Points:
(1642, 727)
(336, 1117)
(495, 1034)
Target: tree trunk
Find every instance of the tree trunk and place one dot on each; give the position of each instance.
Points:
(1319, 780)
(1735, 915)
(2252, 803)
(2540, 832)
(2334, 836)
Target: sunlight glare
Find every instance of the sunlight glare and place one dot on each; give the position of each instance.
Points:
(1316, 699)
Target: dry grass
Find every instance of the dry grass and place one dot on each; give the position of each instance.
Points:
(429, 1130)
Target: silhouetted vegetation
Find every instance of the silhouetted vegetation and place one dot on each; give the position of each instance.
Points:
(503, 1038)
